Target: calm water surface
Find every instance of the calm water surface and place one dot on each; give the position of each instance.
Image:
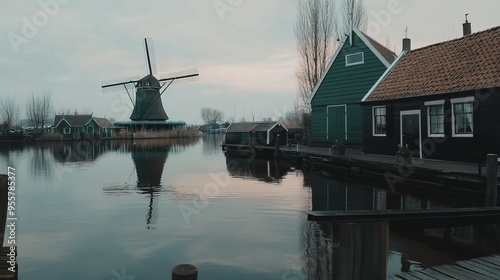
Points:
(115, 209)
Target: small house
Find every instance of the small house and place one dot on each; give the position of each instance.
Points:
(354, 68)
(81, 126)
(443, 100)
(256, 133)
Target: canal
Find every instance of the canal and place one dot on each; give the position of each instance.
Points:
(123, 209)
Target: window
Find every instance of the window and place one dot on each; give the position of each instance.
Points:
(67, 130)
(463, 117)
(435, 118)
(354, 59)
(379, 121)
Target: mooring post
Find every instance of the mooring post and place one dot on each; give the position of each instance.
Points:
(185, 272)
(277, 146)
(491, 180)
(360, 250)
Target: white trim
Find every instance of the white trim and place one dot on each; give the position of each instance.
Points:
(429, 104)
(373, 121)
(69, 130)
(63, 119)
(345, 114)
(433, 103)
(355, 63)
(384, 76)
(462, 99)
(371, 47)
(468, 99)
(334, 57)
(268, 132)
(411, 112)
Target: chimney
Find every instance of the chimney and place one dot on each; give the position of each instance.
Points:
(466, 26)
(406, 42)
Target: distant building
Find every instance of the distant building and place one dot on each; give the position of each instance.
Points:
(81, 126)
(258, 133)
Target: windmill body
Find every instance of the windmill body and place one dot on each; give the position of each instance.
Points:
(148, 107)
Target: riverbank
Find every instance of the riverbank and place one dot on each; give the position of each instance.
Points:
(122, 135)
(445, 179)
(427, 177)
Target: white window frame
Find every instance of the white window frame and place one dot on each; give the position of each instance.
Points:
(373, 121)
(355, 63)
(67, 130)
(469, 99)
(428, 104)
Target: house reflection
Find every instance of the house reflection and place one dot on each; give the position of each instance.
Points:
(270, 171)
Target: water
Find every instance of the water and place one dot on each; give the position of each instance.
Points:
(115, 209)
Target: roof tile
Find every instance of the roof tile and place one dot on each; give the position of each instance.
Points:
(468, 63)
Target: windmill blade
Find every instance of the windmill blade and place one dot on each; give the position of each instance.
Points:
(149, 52)
(118, 85)
(178, 77)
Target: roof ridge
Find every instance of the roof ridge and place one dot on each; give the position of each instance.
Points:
(377, 42)
(456, 39)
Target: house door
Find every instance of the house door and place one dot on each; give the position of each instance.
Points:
(411, 131)
(336, 123)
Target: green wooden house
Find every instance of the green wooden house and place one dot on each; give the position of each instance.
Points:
(335, 102)
(81, 126)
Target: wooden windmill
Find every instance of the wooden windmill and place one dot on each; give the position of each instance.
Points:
(148, 105)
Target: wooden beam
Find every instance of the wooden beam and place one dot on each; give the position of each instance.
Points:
(413, 218)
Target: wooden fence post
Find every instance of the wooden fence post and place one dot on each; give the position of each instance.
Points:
(491, 180)
(185, 272)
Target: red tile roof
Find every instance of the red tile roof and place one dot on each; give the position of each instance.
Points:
(468, 63)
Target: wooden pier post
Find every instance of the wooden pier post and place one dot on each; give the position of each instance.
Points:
(491, 180)
(277, 146)
(360, 250)
(185, 272)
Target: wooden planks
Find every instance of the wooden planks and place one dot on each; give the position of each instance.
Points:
(413, 218)
(485, 268)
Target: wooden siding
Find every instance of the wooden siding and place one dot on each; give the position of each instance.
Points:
(486, 120)
(345, 85)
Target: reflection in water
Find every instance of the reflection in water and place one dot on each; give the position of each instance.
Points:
(211, 143)
(323, 244)
(149, 157)
(270, 171)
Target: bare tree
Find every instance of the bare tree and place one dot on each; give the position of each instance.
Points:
(39, 110)
(317, 30)
(9, 111)
(209, 115)
(353, 15)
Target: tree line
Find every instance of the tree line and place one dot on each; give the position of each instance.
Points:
(39, 111)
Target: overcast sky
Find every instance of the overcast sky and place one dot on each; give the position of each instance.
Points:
(244, 50)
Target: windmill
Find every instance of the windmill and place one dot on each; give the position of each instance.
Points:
(148, 106)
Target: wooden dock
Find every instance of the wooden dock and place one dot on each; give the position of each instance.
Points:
(435, 218)
(485, 268)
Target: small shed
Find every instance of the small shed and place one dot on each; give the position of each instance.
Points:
(257, 133)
